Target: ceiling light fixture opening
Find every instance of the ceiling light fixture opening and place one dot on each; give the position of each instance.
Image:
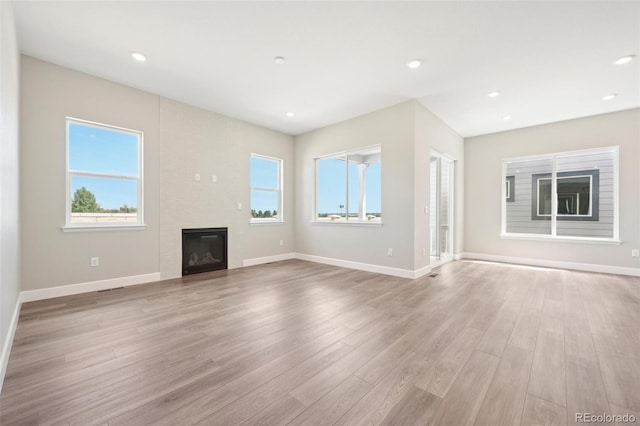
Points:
(291, 114)
(609, 97)
(414, 63)
(506, 118)
(279, 60)
(624, 60)
(494, 94)
(138, 56)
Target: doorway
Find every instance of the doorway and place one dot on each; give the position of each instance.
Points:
(441, 207)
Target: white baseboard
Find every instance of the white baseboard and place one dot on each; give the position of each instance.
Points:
(458, 256)
(268, 259)
(587, 267)
(386, 270)
(67, 290)
(8, 341)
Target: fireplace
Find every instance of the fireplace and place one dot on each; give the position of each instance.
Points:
(203, 250)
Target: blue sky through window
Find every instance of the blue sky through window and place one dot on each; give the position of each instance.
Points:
(106, 151)
(332, 187)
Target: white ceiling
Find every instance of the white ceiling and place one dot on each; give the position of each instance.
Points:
(551, 61)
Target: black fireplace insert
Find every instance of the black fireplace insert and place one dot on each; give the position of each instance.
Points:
(203, 250)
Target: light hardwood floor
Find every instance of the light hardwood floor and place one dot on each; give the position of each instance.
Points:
(303, 344)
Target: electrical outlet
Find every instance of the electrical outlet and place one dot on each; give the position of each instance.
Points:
(95, 261)
(281, 242)
(214, 178)
(239, 206)
(390, 252)
(424, 251)
(197, 177)
(635, 253)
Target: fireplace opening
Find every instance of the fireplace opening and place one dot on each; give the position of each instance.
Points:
(203, 250)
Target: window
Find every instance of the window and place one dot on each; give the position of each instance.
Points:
(578, 196)
(566, 195)
(348, 186)
(104, 176)
(266, 189)
(510, 190)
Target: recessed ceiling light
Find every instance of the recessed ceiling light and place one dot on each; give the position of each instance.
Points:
(609, 97)
(279, 60)
(414, 63)
(138, 56)
(624, 60)
(291, 114)
(494, 94)
(506, 118)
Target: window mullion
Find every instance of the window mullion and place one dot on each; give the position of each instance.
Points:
(554, 197)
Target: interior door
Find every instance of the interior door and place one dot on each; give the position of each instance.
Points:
(441, 207)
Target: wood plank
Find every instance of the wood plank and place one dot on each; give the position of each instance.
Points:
(538, 412)
(334, 404)
(585, 390)
(548, 370)
(417, 407)
(463, 401)
(507, 393)
(525, 332)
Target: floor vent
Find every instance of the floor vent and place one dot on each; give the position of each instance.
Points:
(109, 289)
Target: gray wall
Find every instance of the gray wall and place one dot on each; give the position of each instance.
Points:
(199, 141)
(179, 141)
(49, 93)
(9, 176)
(433, 133)
(406, 132)
(393, 129)
(484, 156)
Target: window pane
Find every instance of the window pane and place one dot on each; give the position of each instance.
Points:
(586, 195)
(332, 187)
(374, 192)
(103, 200)
(264, 204)
(530, 177)
(264, 173)
(102, 150)
(574, 196)
(544, 197)
(354, 190)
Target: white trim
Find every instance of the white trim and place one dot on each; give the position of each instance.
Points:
(346, 222)
(139, 179)
(67, 290)
(268, 259)
(8, 341)
(103, 227)
(588, 267)
(458, 256)
(548, 237)
(386, 270)
(280, 190)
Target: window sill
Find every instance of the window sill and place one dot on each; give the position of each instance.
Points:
(581, 240)
(266, 222)
(344, 222)
(100, 228)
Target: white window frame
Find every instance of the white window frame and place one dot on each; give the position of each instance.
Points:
(346, 220)
(554, 201)
(139, 224)
(279, 190)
